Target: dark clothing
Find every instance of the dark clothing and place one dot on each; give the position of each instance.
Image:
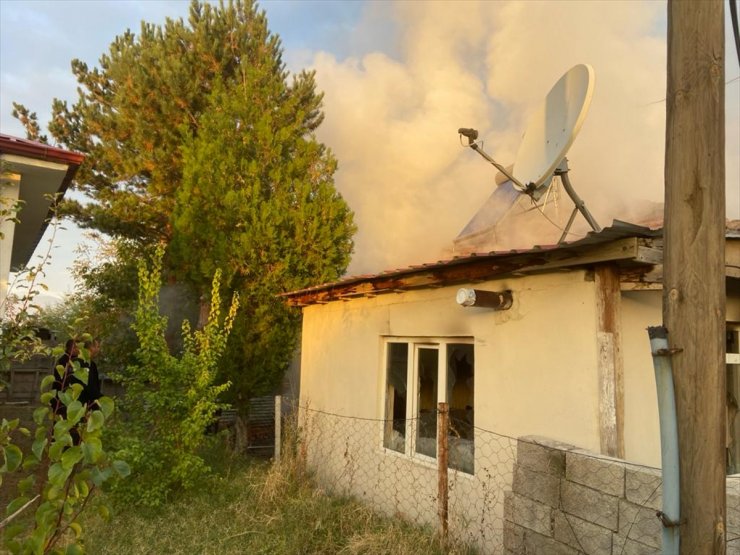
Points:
(64, 378)
(91, 391)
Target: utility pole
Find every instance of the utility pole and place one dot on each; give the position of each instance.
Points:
(694, 264)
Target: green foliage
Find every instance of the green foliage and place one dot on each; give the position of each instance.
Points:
(30, 122)
(169, 399)
(196, 136)
(263, 206)
(66, 460)
(66, 463)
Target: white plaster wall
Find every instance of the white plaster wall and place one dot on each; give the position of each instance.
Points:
(535, 364)
(535, 374)
(640, 309)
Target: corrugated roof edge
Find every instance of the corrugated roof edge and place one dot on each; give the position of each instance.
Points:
(618, 230)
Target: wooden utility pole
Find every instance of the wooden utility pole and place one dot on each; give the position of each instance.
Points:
(694, 264)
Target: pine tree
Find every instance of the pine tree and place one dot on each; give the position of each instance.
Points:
(197, 137)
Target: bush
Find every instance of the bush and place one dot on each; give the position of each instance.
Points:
(169, 400)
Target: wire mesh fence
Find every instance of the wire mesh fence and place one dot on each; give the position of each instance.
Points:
(487, 491)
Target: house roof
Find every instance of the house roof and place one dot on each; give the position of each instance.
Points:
(634, 247)
(45, 170)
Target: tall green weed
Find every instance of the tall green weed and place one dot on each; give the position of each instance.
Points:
(170, 399)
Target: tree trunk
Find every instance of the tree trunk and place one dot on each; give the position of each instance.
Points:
(694, 282)
(241, 436)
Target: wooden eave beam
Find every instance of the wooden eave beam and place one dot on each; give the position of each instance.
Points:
(479, 269)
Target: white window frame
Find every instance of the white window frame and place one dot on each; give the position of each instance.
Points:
(412, 386)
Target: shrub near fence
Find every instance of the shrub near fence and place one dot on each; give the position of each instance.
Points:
(522, 496)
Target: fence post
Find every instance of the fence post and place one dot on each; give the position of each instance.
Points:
(278, 423)
(442, 485)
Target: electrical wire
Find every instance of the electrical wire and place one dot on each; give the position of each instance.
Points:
(542, 212)
(663, 99)
(735, 31)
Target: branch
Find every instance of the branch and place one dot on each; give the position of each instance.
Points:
(12, 517)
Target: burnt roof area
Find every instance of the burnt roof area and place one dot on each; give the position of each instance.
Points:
(635, 249)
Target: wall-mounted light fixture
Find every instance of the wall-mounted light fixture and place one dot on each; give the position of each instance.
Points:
(485, 299)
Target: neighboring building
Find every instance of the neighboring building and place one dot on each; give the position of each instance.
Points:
(569, 360)
(32, 173)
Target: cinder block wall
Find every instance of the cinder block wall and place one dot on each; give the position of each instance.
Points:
(568, 501)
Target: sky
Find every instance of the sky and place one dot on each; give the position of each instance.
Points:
(399, 79)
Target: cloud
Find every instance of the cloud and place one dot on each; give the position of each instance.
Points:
(392, 121)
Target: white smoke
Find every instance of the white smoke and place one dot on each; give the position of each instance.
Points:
(392, 121)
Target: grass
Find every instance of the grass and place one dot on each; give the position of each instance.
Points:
(257, 508)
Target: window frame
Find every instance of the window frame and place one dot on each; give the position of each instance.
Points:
(415, 343)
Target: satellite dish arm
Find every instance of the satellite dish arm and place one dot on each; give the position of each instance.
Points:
(472, 135)
(562, 171)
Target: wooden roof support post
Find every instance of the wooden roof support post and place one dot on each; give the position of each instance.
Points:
(611, 367)
(694, 280)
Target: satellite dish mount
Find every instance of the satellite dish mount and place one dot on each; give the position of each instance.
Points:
(550, 133)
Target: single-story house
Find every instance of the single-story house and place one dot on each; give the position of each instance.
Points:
(564, 353)
(31, 172)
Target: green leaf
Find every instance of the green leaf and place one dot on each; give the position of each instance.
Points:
(104, 512)
(82, 486)
(58, 474)
(75, 390)
(53, 493)
(57, 448)
(13, 457)
(37, 448)
(25, 485)
(122, 468)
(16, 504)
(74, 549)
(96, 421)
(12, 531)
(92, 449)
(47, 397)
(62, 428)
(77, 530)
(40, 413)
(71, 457)
(99, 476)
(75, 411)
(107, 406)
(46, 382)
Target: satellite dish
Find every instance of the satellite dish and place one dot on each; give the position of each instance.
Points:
(551, 131)
(553, 126)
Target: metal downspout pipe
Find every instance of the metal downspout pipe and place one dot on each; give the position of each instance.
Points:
(671, 513)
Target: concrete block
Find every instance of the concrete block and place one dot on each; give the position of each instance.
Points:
(581, 535)
(535, 543)
(542, 454)
(538, 486)
(644, 486)
(639, 524)
(595, 471)
(733, 545)
(733, 513)
(528, 514)
(590, 505)
(513, 537)
(626, 546)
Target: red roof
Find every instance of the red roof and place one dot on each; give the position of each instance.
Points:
(38, 151)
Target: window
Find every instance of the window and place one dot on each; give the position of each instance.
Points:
(733, 397)
(419, 374)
